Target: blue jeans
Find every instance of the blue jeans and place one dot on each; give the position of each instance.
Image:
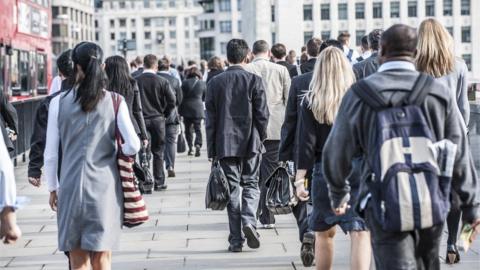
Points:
(241, 172)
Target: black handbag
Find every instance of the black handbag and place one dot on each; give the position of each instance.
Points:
(280, 197)
(218, 190)
(142, 172)
(181, 143)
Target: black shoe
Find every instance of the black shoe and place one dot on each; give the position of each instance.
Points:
(252, 236)
(190, 152)
(235, 248)
(171, 172)
(307, 251)
(452, 254)
(197, 151)
(160, 187)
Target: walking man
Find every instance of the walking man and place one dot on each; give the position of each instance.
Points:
(313, 50)
(172, 123)
(404, 245)
(276, 81)
(351, 54)
(237, 119)
(279, 56)
(371, 64)
(158, 102)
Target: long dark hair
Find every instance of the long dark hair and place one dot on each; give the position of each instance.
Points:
(87, 57)
(119, 78)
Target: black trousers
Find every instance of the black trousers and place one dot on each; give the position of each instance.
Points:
(156, 129)
(268, 165)
(193, 125)
(171, 145)
(453, 219)
(415, 250)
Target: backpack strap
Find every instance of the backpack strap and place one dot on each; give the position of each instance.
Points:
(420, 90)
(349, 55)
(370, 96)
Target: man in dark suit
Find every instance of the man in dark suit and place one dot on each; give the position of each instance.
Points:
(173, 121)
(370, 65)
(279, 55)
(139, 62)
(313, 50)
(158, 102)
(237, 119)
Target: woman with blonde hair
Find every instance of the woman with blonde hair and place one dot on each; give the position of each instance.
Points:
(436, 57)
(332, 77)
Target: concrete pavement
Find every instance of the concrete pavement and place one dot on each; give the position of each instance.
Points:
(181, 234)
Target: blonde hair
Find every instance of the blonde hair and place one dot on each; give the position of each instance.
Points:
(435, 51)
(332, 77)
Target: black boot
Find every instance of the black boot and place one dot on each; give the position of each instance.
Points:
(307, 251)
(190, 152)
(197, 150)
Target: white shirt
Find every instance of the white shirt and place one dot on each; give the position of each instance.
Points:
(366, 54)
(56, 85)
(396, 65)
(130, 147)
(149, 71)
(8, 192)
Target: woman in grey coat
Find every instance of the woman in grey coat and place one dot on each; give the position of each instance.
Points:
(436, 57)
(87, 194)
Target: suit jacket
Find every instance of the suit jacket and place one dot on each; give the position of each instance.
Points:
(276, 80)
(290, 133)
(212, 73)
(174, 118)
(237, 114)
(366, 67)
(137, 72)
(292, 69)
(134, 104)
(308, 66)
(354, 130)
(193, 97)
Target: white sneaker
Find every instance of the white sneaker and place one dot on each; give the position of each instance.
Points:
(268, 226)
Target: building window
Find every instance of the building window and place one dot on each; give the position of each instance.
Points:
(132, 22)
(274, 37)
(122, 22)
(173, 34)
(172, 21)
(450, 30)
(359, 10)
(468, 60)
(134, 35)
(325, 35)
(466, 34)
(239, 5)
(325, 12)
(172, 3)
(239, 26)
(187, 34)
(207, 47)
(148, 47)
(225, 26)
(97, 36)
(159, 3)
(358, 37)
(412, 8)
(112, 23)
(187, 21)
(208, 7)
(112, 36)
(147, 35)
(224, 5)
(223, 48)
(343, 11)
(430, 8)
(377, 10)
(123, 35)
(96, 24)
(146, 3)
(55, 12)
(160, 37)
(55, 30)
(307, 36)
(147, 22)
(272, 10)
(307, 12)
(447, 8)
(121, 4)
(465, 7)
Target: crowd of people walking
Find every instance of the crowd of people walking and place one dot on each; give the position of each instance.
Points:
(376, 143)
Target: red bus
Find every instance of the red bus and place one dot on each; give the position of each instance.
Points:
(25, 47)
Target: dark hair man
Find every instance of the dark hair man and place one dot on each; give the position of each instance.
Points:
(369, 65)
(279, 55)
(236, 125)
(172, 123)
(139, 65)
(351, 54)
(313, 50)
(356, 134)
(366, 51)
(158, 102)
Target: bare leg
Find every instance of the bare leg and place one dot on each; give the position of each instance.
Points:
(102, 260)
(361, 250)
(79, 259)
(324, 249)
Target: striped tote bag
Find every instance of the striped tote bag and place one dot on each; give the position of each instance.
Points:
(134, 209)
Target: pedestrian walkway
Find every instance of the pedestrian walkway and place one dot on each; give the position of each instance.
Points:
(181, 234)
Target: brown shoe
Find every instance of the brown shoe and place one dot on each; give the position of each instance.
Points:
(171, 173)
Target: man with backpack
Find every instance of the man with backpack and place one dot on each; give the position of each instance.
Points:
(399, 118)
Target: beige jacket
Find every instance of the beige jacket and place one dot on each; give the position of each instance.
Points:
(277, 84)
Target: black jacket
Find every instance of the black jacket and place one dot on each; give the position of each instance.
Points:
(366, 67)
(290, 128)
(8, 118)
(157, 98)
(308, 66)
(137, 72)
(237, 114)
(174, 118)
(193, 96)
(134, 104)
(212, 73)
(292, 69)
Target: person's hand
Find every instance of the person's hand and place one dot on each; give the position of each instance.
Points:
(301, 193)
(35, 181)
(53, 200)
(145, 143)
(342, 209)
(476, 230)
(9, 230)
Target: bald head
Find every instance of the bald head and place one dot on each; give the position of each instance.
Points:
(398, 41)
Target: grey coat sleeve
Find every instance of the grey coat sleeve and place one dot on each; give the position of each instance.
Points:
(211, 120)
(462, 92)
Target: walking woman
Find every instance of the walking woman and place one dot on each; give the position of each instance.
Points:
(121, 82)
(332, 77)
(436, 57)
(192, 109)
(215, 67)
(88, 194)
